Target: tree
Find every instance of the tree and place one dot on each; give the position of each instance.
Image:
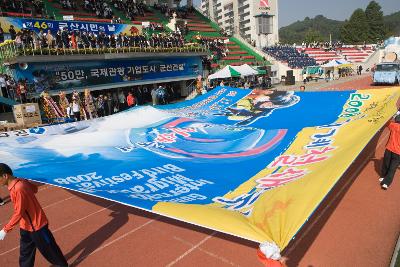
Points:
(356, 30)
(374, 15)
(313, 36)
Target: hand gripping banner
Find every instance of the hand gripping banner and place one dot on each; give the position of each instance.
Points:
(253, 164)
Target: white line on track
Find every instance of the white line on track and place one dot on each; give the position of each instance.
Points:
(207, 252)
(67, 225)
(51, 205)
(83, 218)
(190, 250)
(123, 236)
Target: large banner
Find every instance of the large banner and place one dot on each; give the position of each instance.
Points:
(44, 25)
(253, 164)
(81, 74)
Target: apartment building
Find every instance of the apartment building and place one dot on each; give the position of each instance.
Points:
(240, 17)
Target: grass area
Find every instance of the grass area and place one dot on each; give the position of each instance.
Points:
(397, 264)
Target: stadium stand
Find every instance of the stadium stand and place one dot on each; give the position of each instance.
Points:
(22, 8)
(350, 53)
(291, 56)
(354, 54)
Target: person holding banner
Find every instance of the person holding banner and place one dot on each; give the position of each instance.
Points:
(391, 160)
(34, 231)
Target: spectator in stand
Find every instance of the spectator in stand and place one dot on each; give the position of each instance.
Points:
(50, 39)
(13, 33)
(1, 34)
(64, 39)
(37, 8)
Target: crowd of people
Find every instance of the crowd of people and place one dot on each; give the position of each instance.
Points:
(89, 105)
(131, 8)
(83, 39)
(250, 82)
(180, 12)
(289, 54)
(15, 90)
(99, 7)
(322, 45)
(217, 47)
(35, 7)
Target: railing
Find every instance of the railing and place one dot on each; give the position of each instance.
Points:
(9, 50)
(190, 90)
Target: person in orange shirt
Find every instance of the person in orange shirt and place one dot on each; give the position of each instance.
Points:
(269, 255)
(33, 223)
(391, 159)
(130, 100)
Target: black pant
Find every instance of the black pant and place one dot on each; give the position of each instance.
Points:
(43, 240)
(390, 163)
(77, 116)
(4, 92)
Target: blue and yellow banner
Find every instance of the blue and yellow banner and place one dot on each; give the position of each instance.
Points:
(44, 25)
(253, 164)
(67, 75)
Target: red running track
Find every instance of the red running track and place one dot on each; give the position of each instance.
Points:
(357, 225)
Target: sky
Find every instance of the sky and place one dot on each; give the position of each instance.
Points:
(292, 10)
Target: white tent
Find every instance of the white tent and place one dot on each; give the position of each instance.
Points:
(245, 70)
(233, 71)
(335, 63)
(226, 72)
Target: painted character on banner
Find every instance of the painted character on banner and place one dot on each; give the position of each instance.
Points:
(186, 138)
(258, 104)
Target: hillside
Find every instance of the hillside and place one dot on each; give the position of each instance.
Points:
(296, 32)
(392, 23)
(321, 27)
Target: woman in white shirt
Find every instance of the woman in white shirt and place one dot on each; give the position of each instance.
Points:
(76, 109)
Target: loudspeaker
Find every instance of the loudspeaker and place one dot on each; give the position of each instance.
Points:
(289, 73)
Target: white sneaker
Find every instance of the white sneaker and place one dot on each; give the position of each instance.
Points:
(385, 186)
(381, 179)
(2, 203)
